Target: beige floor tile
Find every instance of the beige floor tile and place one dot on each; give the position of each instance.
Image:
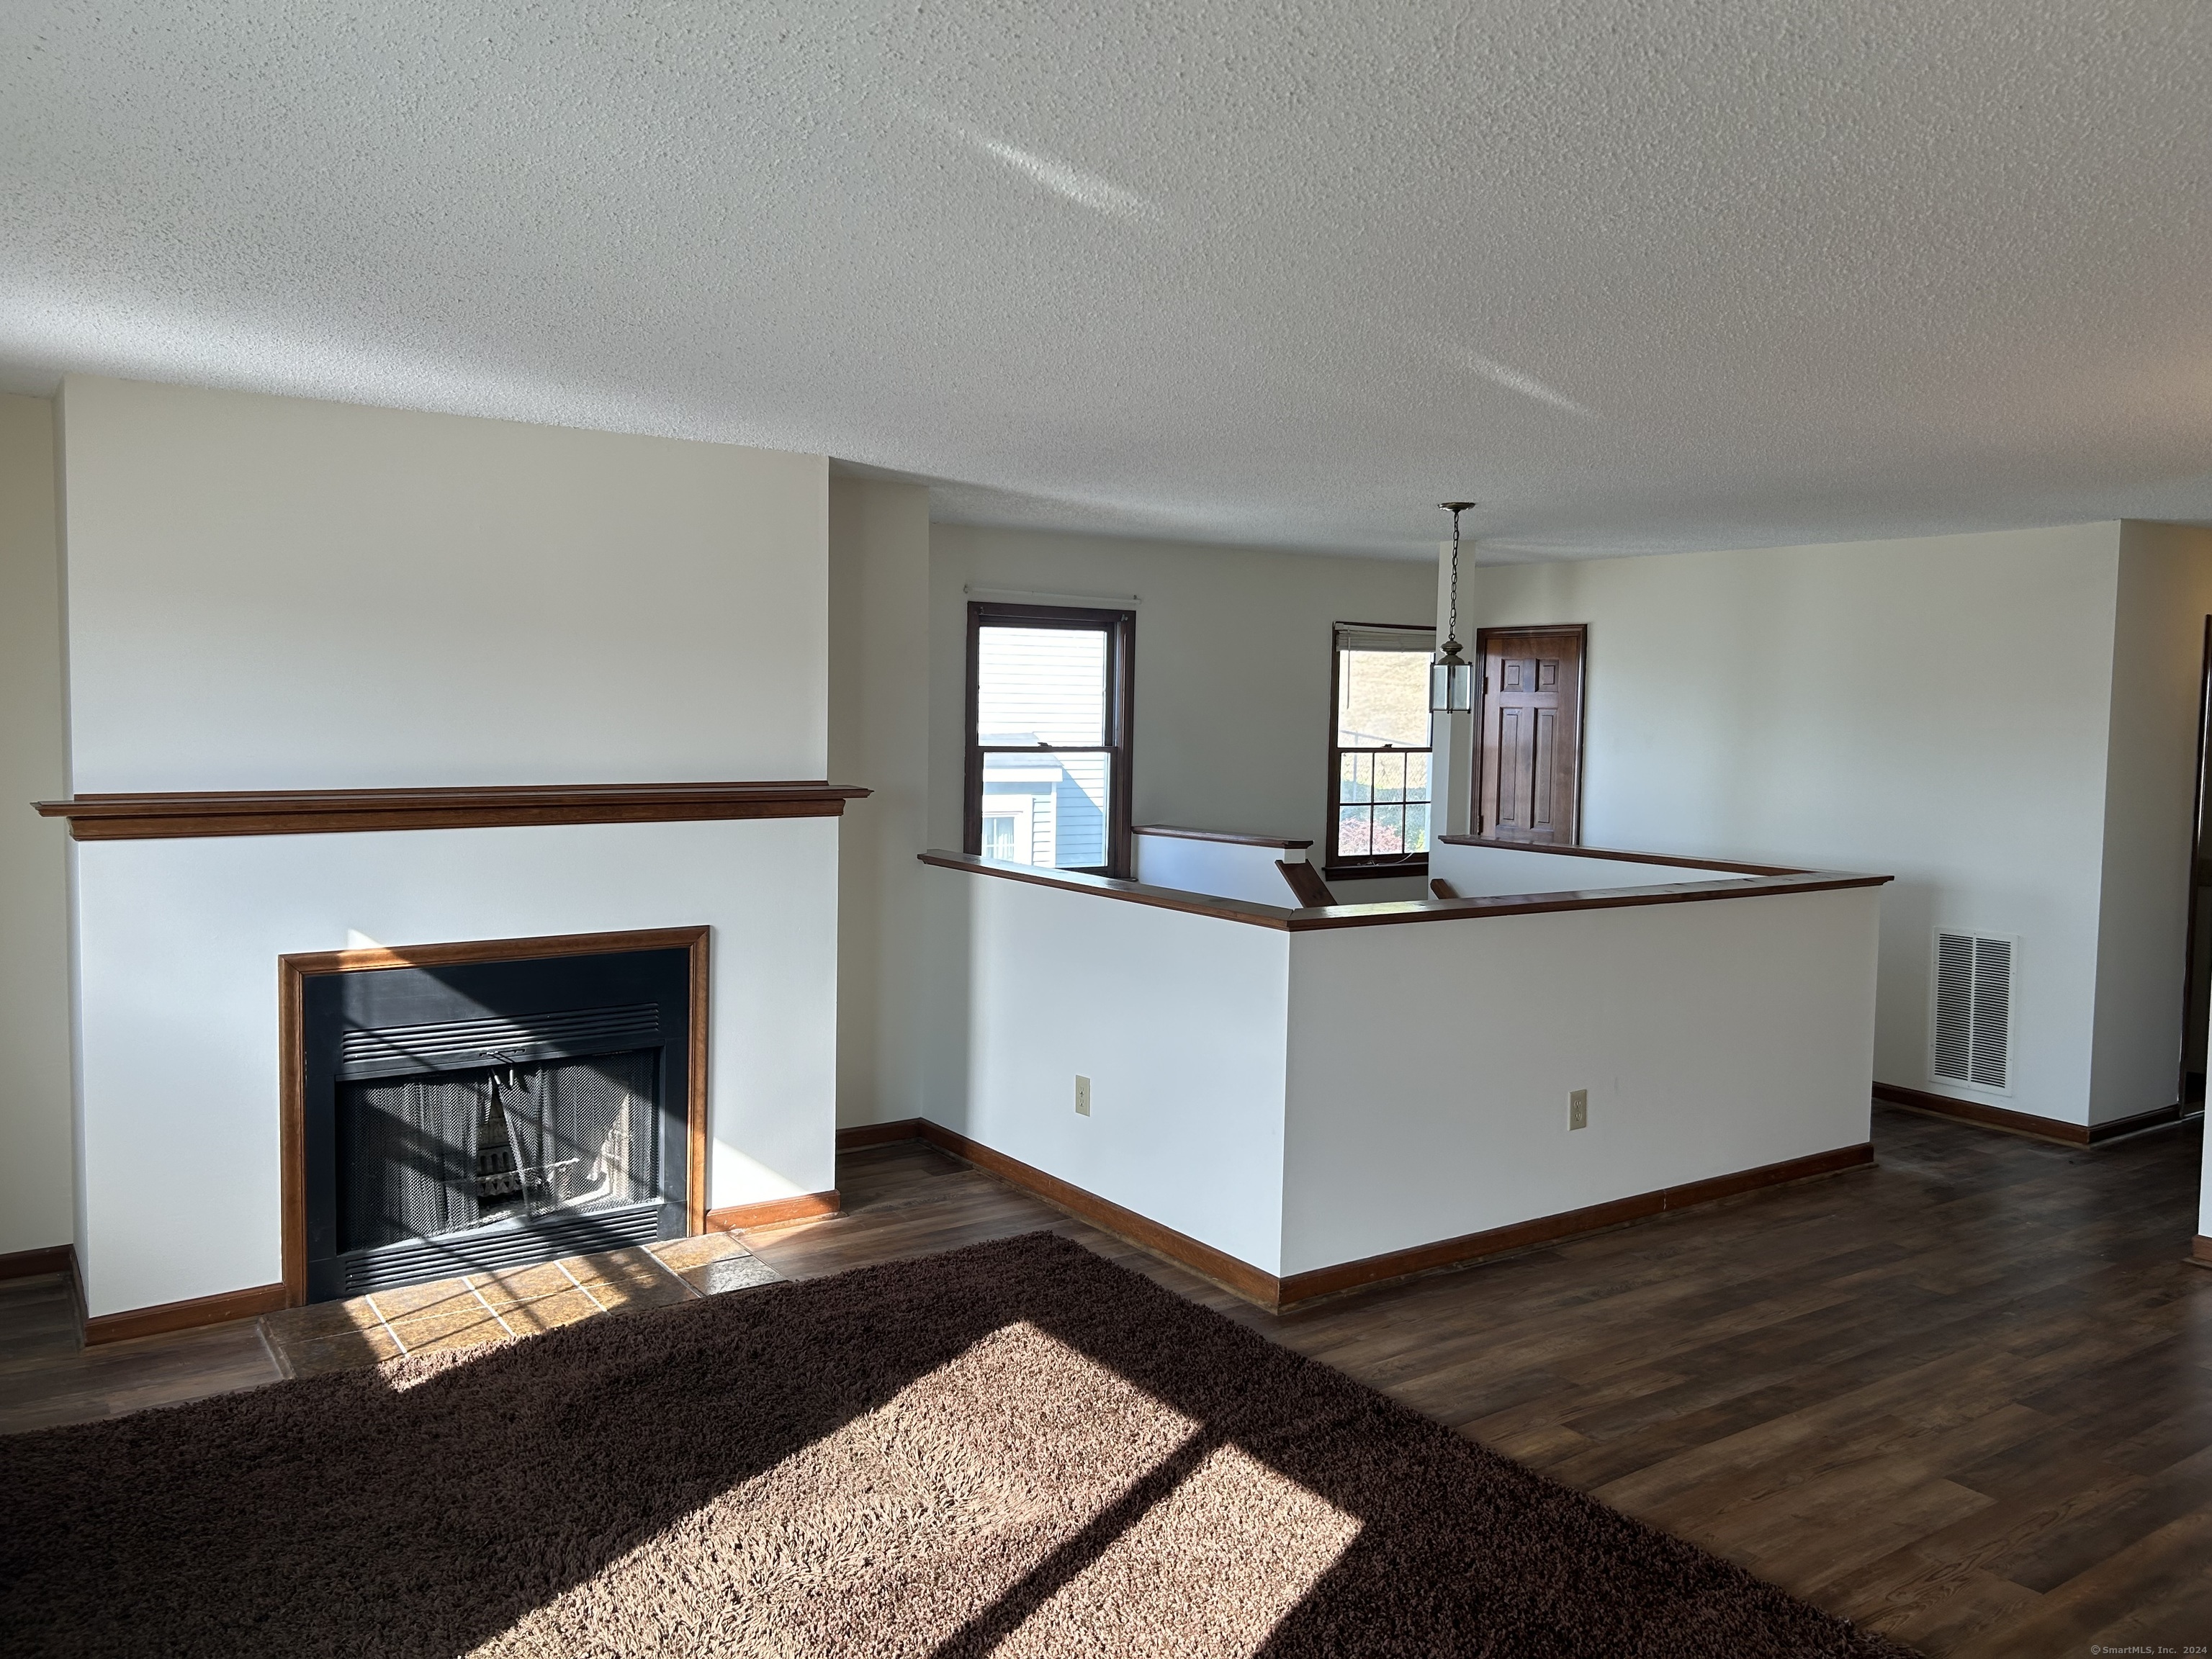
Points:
(512, 1284)
(632, 1264)
(625, 1295)
(353, 1351)
(475, 1337)
(431, 1329)
(320, 1319)
(683, 1253)
(547, 1313)
(405, 1301)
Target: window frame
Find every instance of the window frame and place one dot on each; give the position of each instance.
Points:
(1335, 865)
(1120, 627)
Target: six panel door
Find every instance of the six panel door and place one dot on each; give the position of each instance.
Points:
(1531, 734)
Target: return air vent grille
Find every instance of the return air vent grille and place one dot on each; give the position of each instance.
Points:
(1973, 1012)
(464, 1044)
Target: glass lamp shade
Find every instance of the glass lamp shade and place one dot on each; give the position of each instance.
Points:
(1451, 681)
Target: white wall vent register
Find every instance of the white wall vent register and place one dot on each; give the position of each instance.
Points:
(1973, 1012)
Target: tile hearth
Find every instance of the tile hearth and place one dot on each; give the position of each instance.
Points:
(493, 1307)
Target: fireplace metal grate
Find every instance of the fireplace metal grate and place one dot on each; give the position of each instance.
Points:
(452, 1256)
(465, 1044)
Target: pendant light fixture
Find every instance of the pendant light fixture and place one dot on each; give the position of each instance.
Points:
(1451, 676)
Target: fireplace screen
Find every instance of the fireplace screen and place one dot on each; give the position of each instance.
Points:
(445, 1154)
(492, 1114)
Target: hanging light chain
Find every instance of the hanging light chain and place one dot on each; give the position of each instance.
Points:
(1451, 631)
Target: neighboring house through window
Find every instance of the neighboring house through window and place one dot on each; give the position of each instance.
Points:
(1049, 702)
(1379, 748)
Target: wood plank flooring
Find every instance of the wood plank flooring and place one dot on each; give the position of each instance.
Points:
(1965, 1397)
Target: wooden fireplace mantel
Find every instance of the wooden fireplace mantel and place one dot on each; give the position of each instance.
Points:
(319, 811)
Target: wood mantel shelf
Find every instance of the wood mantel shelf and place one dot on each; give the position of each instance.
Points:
(321, 811)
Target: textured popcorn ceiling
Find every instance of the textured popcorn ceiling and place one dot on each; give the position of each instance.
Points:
(1675, 273)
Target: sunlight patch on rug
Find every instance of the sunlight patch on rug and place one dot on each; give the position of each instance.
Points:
(1211, 1570)
(908, 1523)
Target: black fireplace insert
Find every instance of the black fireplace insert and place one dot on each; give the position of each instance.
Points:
(465, 1118)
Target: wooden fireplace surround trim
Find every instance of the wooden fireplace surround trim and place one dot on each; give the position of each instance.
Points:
(293, 971)
(320, 812)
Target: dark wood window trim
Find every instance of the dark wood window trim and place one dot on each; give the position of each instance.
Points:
(1409, 910)
(321, 811)
(1120, 627)
(292, 972)
(1336, 867)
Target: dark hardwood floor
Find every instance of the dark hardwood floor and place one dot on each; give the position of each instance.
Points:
(1965, 1397)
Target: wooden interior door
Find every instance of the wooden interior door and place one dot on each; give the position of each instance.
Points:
(1532, 734)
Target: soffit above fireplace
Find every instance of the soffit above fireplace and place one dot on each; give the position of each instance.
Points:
(320, 812)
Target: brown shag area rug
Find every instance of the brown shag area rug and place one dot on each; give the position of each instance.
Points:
(1015, 1448)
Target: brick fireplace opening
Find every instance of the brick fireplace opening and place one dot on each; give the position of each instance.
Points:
(460, 1107)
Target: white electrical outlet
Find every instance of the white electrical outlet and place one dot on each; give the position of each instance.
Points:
(1578, 1109)
(1082, 1097)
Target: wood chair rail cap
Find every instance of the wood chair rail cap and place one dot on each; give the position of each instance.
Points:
(1179, 832)
(1401, 911)
(1569, 849)
(123, 817)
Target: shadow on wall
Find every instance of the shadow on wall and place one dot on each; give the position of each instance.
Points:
(1908, 922)
(948, 999)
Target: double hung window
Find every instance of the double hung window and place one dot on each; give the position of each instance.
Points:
(1049, 705)
(1379, 749)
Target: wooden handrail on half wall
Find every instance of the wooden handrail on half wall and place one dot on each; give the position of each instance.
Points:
(1574, 852)
(1176, 832)
(1417, 911)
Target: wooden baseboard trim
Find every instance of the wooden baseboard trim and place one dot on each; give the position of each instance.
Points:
(878, 1134)
(31, 1264)
(184, 1316)
(771, 1212)
(2037, 1127)
(1279, 1294)
(1224, 1269)
(1545, 1229)
(2201, 1251)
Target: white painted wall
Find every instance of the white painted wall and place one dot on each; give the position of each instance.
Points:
(1232, 663)
(1712, 1037)
(271, 593)
(37, 1177)
(1177, 1019)
(1224, 869)
(1490, 871)
(178, 949)
(1934, 709)
(2145, 892)
(879, 736)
